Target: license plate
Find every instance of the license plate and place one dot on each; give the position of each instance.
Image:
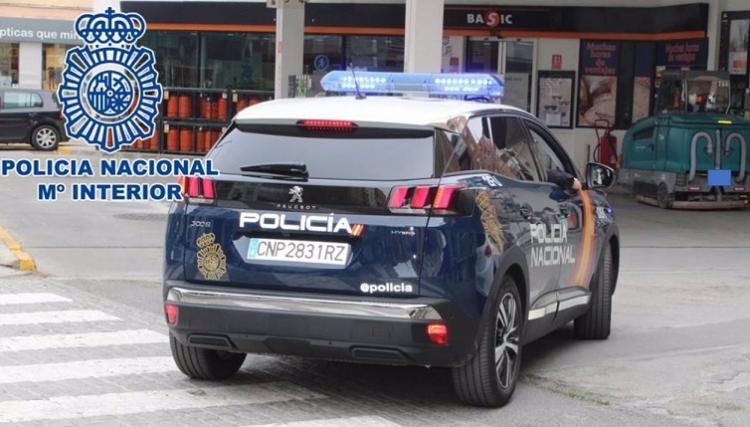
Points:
(302, 251)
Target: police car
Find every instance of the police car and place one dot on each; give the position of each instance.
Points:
(392, 230)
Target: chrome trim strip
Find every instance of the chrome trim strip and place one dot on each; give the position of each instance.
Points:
(538, 313)
(301, 305)
(574, 302)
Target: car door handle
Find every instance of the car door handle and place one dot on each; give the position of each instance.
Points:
(526, 212)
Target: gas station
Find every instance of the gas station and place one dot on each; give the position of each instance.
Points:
(378, 213)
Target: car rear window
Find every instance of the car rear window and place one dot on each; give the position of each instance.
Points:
(362, 154)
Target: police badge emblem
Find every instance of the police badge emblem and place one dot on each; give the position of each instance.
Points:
(110, 92)
(212, 262)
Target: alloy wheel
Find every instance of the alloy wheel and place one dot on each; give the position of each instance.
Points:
(507, 340)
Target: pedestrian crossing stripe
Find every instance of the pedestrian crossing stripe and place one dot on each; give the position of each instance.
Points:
(82, 369)
(82, 340)
(63, 316)
(363, 421)
(31, 298)
(113, 404)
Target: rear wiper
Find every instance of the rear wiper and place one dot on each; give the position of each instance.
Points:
(278, 170)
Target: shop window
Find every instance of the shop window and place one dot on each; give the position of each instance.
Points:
(53, 63)
(323, 54)
(176, 56)
(237, 60)
(14, 99)
(375, 53)
(8, 64)
(481, 56)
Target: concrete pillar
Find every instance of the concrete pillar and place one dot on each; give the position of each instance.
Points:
(290, 43)
(30, 65)
(102, 5)
(713, 32)
(424, 36)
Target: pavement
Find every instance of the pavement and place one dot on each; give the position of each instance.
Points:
(83, 340)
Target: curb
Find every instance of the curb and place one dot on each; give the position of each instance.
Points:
(23, 261)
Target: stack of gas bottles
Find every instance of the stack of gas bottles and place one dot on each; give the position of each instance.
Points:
(193, 120)
(199, 137)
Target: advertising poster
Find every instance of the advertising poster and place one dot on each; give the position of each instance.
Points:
(642, 82)
(597, 89)
(738, 44)
(555, 98)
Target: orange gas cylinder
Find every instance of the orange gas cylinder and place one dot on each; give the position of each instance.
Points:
(213, 136)
(206, 108)
(221, 109)
(186, 139)
(254, 101)
(173, 139)
(200, 141)
(172, 106)
(241, 104)
(184, 106)
(154, 142)
(214, 109)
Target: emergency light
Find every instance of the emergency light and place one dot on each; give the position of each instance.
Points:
(448, 84)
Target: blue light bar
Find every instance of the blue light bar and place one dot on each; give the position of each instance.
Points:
(449, 84)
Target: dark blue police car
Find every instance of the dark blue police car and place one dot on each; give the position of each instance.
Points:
(388, 230)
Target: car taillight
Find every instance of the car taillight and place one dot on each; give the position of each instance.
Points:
(422, 197)
(327, 125)
(196, 188)
(172, 312)
(438, 333)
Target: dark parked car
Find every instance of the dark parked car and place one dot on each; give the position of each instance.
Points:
(388, 230)
(33, 116)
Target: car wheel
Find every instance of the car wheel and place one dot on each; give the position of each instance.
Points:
(45, 138)
(203, 363)
(663, 199)
(490, 376)
(595, 324)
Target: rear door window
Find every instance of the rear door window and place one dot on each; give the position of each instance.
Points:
(514, 158)
(365, 154)
(15, 100)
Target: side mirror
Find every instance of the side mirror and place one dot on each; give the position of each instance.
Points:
(599, 176)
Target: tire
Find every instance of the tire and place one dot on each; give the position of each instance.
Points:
(480, 382)
(45, 138)
(205, 364)
(663, 198)
(595, 324)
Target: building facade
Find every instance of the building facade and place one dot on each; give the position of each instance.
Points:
(34, 36)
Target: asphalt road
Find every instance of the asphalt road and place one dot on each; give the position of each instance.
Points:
(679, 353)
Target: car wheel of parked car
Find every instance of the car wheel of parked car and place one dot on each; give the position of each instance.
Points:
(490, 377)
(595, 324)
(203, 363)
(45, 138)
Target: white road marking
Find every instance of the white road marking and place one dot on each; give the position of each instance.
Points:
(97, 368)
(110, 404)
(31, 298)
(91, 339)
(364, 421)
(65, 316)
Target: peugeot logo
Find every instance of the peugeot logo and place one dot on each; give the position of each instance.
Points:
(296, 193)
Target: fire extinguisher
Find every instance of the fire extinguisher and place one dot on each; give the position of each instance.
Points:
(606, 144)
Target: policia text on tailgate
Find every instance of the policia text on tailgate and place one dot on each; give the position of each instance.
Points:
(388, 230)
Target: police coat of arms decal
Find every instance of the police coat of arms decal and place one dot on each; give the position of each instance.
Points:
(110, 92)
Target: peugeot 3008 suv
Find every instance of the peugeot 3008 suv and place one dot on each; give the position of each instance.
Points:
(387, 230)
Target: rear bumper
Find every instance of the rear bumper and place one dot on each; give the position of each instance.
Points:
(388, 332)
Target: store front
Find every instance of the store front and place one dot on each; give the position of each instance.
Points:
(32, 51)
(574, 67)
(733, 56)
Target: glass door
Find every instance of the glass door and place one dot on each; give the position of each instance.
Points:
(513, 59)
